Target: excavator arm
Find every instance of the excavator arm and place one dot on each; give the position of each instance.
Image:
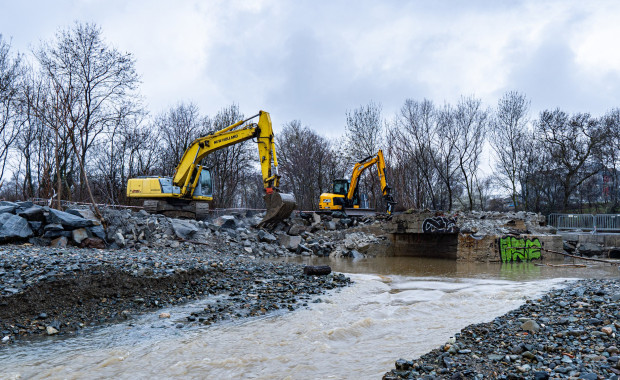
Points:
(187, 173)
(188, 170)
(364, 164)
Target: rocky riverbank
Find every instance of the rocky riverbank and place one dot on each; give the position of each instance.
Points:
(48, 291)
(568, 333)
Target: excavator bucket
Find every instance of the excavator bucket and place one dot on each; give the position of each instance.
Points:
(279, 207)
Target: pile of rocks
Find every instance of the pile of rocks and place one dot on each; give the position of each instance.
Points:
(304, 234)
(501, 223)
(568, 333)
(41, 225)
(604, 249)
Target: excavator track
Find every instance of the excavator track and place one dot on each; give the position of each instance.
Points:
(189, 210)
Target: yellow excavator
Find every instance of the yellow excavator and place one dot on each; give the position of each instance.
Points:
(345, 194)
(189, 191)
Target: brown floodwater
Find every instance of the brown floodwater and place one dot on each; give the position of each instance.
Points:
(397, 308)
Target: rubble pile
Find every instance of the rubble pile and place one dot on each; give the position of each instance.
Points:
(304, 234)
(501, 223)
(40, 225)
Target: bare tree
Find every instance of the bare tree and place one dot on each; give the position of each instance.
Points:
(411, 144)
(470, 123)
(29, 140)
(92, 81)
(572, 143)
(304, 158)
(230, 166)
(363, 131)
(178, 127)
(446, 159)
(610, 156)
(364, 137)
(508, 138)
(10, 77)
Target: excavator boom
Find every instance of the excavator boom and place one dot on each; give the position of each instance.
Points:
(188, 173)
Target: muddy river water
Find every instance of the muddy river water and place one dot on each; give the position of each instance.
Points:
(398, 308)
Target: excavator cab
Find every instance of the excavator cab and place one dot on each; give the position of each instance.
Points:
(204, 187)
(341, 186)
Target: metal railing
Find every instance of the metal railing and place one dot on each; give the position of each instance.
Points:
(607, 222)
(585, 222)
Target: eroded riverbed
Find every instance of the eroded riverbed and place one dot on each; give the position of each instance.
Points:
(397, 308)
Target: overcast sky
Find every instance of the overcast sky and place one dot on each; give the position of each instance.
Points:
(314, 60)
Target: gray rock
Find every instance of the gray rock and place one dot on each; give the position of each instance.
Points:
(316, 218)
(119, 239)
(183, 228)
(86, 214)
(34, 213)
(541, 375)
(35, 226)
(54, 234)
(4, 217)
(356, 254)
(97, 231)
(60, 242)
(68, 220)
(290, 242)
(266, 237)
(53, 227)
(15, 227)
(7, 208)
(530, 326)
(226, 221)
(588, 376)
(590, 249)
(79, 234)
(296, 229)
(303, 250)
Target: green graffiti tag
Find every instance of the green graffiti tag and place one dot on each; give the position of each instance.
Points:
(519, 249)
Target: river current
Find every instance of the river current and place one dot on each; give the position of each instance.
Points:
(397, 308)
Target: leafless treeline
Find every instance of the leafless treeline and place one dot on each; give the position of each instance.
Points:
(72, 126)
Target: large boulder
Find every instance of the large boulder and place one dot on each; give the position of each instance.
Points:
(590, 249)
(4, 217)
(6, 206)
(290, 242)
(183, 228)
(226, 221)
(34, 213)
(69, 221)
(97, 231)
(60, 242)
(266, 237)
(15, 227)
(119, 239)
(79, 234)
(86, 214)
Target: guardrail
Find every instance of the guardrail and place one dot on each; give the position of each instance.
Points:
(585, 222)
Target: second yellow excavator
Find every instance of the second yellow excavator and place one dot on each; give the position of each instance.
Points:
(345, 194)
(189, 191)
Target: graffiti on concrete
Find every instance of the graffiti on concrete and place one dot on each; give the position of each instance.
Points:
(440, 225)
(512, 248)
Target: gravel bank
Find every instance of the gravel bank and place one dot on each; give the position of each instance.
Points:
(47, 291)
(568, 333)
